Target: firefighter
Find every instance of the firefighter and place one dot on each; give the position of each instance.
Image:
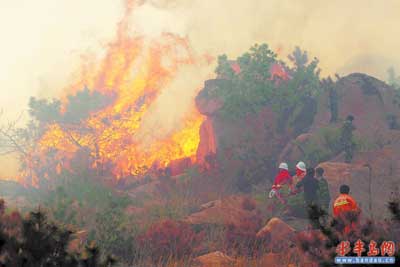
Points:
(345, 209)
(296, 200)
(300, 172)
(283, 178)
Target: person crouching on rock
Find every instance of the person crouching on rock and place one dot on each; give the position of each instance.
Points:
(281, 179)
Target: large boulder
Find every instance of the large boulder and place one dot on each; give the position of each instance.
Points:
(232, 139)
(232, 210)
(338, 173)
(308, 147)
(207, 146)
(277, 229)
(369, 100)
(285, 245)
(214, 259)
(208, 107)
(384, 167)
(280, 234)
(292, 151)
(372, 177)
(207, 102)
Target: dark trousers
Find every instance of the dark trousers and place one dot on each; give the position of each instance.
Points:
(313, 209)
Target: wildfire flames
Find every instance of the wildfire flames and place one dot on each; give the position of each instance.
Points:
(277, 71)
(133, 73)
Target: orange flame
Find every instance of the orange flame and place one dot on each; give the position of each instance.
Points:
(278, 71)
(134, 72)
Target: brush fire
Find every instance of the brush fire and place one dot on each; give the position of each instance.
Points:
(132, 75)
(168, 147)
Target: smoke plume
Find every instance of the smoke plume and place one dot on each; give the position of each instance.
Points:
(44, 47)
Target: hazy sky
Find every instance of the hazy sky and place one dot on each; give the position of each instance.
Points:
(42, 41)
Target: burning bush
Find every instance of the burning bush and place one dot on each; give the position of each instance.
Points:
(106, 119)
(78, 108)
(170, 239)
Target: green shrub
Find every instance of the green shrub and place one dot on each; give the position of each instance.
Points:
(252, 89)
(324, 145)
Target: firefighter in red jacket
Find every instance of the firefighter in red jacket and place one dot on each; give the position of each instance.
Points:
(298, 177)
(300, 172)
(283, 178)
(345, 208)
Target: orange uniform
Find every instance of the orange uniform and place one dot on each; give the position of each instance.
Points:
(345, 203)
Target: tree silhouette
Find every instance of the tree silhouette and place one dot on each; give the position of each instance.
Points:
(36, 242)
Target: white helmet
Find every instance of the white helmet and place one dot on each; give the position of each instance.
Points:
(301, 166)
(272, 193)
(284, 166)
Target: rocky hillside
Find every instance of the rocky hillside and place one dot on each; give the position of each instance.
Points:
(375, 107)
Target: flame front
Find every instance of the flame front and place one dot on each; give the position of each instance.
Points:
(133, 73)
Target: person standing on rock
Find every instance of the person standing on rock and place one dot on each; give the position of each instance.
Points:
(346, 138)
(283, 178)
(323, 192)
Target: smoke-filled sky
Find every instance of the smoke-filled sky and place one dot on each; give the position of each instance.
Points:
(43, 41)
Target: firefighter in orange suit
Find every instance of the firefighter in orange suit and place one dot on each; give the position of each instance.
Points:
(345, 205)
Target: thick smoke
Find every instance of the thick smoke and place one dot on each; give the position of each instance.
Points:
(346, 37)
(340, 33)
